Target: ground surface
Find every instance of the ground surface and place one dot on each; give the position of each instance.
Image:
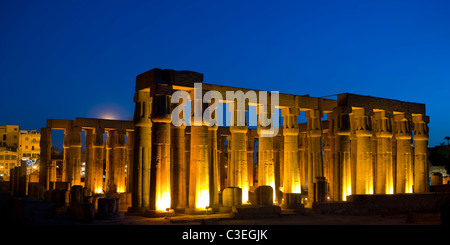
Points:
(308, 218)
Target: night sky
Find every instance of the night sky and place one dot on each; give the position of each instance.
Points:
(68, 59)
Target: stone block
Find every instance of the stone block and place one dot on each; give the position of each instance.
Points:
(124, 201)
(232, 196)
(108, 208)
(264, 195)
(81, 211)
(76, 194)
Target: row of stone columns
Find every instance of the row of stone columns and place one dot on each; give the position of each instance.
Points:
(360, 152)
(374, 153)
(118, 153)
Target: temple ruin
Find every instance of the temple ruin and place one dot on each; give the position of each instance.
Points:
(353, 145)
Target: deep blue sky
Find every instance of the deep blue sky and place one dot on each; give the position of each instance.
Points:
(67, 59)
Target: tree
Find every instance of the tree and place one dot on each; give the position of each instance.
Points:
(448, 139)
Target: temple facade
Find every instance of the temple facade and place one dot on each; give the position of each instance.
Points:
(353, 145)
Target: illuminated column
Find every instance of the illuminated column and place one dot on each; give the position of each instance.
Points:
(364, 166)
(214, 166)
(130, 157)
(109, 169)
(384, 175)
(315, 161)
(160, 169)
(330, 168)
(266, 168)
(179, 167)
(45, 157)
(72, 155)
(250, 151)
(404, 179)
(89, 167)
(291, 165)
(142, 151)
(119, 161)
(291, 169)
(420, 154)
(97, 160)
(222, 162)
(199, 169)
(238, 164)
(343, 152)
(303, 159)
(199, 159)
(278, 166)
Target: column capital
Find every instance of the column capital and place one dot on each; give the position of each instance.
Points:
(420, 131)
(161, 111)
(363, 126)
(72, 137)
(314, 124)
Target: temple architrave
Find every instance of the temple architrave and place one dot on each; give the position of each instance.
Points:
(353, 145)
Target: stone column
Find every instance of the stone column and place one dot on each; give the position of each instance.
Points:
(109, 166)
(72, 155)
(97, 160)
(180, 170)
(238, 168)
(161, 118)
(250, 151)
(130, 158)
(315, 161)
(214, 171)
(118, 178)
(266, 164)
(89, 168)
(199, 164)
(278, 167)
(303, 159)
(222, 162)
(142, 151)
(404, 180)
(343, 175)
(331, 169)
(199, 169)
(364, 166)
(45, 157)
(420, 154)
(291, 169)
(384, 174)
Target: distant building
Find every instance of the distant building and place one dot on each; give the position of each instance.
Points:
(18, 145)
(29, 148)
(8, 160)
(9, 136)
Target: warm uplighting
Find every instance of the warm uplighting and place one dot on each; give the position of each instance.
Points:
(202, 199)
(244, 194)
(98, 190)
(410, 189)
(163, 202)
(296, 188)
(347, 192)
(391, 189)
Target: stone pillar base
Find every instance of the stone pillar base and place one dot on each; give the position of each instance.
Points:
(159, 213)
(134, 211)
(197, 211)
(292, 201)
